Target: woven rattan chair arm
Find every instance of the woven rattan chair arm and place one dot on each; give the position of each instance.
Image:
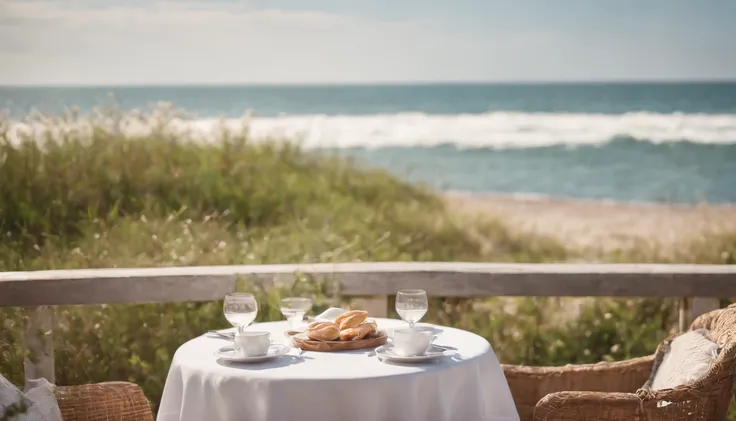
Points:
(118, 401)
(617, 376)
(530, 384)
(590, 406)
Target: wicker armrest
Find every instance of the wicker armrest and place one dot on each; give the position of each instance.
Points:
(591, 406)
(118, 401)
(681, 404)
(530, 384)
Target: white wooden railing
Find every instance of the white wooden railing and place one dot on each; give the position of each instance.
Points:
(698, 287)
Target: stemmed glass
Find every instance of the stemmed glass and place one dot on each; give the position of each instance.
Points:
(412, 305)
(240, 309)
(294, 309)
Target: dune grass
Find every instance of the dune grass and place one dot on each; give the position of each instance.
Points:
(55, 190)
(102, 198)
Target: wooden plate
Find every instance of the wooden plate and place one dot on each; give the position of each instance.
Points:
(302, 341)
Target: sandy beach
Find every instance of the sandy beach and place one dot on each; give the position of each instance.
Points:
(601, 225)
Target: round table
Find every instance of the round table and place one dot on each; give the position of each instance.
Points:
(350, 385)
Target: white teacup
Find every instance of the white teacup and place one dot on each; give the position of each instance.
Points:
(252, 343)
(410, 343)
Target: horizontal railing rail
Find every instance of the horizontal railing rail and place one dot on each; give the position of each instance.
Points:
(206, 283)
(43, 289)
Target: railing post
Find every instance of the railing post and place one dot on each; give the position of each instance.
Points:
(376, 306)
(39, 343)
(702, 305)
(684, 314)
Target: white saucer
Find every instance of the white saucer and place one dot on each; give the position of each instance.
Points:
(228, 353)
(386, 352)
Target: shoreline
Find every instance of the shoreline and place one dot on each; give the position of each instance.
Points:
(604, 225)
(541, 197)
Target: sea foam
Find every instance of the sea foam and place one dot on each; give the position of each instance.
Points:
(488, 130)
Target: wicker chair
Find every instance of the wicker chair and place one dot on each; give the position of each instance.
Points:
(113, 401)
(620, 391)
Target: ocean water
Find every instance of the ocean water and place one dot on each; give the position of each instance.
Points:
(644, 142)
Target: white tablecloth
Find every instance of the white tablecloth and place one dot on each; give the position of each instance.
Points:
(339, 386)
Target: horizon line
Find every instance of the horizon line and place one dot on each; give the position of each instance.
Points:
(374, 83)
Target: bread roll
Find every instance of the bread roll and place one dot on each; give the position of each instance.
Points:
(351, 319)
(359, 332)
(323, 331)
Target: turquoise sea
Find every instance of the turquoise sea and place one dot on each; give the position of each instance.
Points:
(651, 142)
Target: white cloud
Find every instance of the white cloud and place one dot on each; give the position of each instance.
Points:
(158, 13)
(177, 42)
(173, 42)
(207, 41)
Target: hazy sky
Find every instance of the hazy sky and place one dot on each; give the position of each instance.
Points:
(346, 41)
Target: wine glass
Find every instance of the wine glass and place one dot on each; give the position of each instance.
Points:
(240, 309)
(412, 305)
(294, 309)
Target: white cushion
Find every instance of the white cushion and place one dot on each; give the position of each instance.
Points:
(37, 404)
(688, 359)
